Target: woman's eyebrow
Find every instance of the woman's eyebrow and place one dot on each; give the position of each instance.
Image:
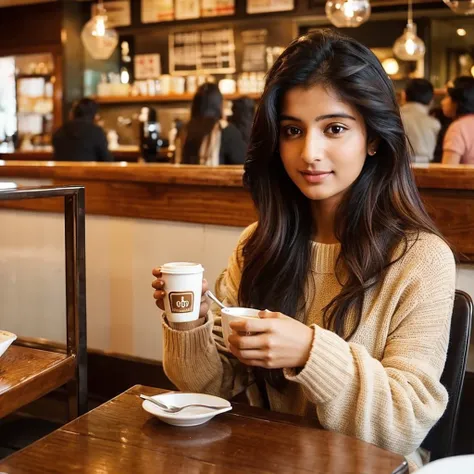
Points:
(319, 117)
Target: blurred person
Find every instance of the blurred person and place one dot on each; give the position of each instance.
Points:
(437, 113)
(458, 104)
(80, 138)
(208, 139)
(243, 110)
(421, 129)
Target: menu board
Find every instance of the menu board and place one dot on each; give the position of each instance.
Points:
(147, 66)
(254, 51)
(207, 51)
(118, 12)
(154, 11)
(187, 9)
(265, 6)
(217, 7)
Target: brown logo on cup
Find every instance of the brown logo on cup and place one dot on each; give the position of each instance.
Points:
(181, 302)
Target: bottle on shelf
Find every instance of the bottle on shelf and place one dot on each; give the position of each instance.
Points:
(150, 129)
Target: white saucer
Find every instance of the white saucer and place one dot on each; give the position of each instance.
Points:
(192, 416)
(6, 338)
(457, 464)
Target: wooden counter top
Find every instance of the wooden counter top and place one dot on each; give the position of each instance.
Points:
(208, 195)
(434, 176)
(122, 153)
(227, 176)
(437, 176)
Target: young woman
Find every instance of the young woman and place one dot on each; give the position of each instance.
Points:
(207, 139)
(357, 283)
(458, 143)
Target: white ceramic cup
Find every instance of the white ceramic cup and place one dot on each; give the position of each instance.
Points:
(235, 314)
(183, 288)
(6, 338)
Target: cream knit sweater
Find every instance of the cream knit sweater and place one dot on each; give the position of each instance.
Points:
(382, 387)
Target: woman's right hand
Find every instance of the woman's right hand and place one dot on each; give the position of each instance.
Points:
(159, 295)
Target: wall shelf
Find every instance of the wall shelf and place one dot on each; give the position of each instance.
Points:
(162, 98)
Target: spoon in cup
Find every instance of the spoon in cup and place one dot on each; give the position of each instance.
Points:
(211, 295)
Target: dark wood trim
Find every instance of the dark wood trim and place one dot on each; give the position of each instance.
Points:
(438, 176)
(180, 203)
(111, 374)
(54, 49)
(222, 176)
(58, 91)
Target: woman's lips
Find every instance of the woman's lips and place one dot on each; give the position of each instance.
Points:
(315, 176)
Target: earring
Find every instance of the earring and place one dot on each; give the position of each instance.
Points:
(372, 152)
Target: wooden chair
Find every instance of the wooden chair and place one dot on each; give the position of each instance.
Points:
(440, 440)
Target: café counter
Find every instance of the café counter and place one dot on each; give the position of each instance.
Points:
(216, 196)
(129, 153)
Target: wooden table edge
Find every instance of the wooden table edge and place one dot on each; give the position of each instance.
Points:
(68, 365)
(132, 391)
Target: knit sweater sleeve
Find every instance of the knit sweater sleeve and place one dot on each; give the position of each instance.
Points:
(196, 360)
(392, 402)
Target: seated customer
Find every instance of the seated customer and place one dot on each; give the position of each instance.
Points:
(80, 139)
(421, 129)
(458, 145)
(207, 139)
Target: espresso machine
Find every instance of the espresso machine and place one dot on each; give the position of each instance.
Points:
(150, 141)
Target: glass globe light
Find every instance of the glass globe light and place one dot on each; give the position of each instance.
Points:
(461, 7)
(390, 66)
(409, 47)
(99, 40)
(347, 13)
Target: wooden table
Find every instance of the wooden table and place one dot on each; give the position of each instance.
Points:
(120, 437)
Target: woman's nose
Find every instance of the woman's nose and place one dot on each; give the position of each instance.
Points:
(313, 149)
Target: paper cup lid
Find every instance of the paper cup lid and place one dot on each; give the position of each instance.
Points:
(181, 268)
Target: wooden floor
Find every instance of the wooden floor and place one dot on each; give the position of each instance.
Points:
(16, 432)
(35, 421)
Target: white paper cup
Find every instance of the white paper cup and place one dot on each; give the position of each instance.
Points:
(235, 314)
(183, 288)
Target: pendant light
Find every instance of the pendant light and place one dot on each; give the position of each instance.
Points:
(99, 40)
(409, 47)
(347, 13)
(461, 7)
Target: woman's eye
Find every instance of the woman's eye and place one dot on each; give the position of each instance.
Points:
(292, 131)
(336, 129)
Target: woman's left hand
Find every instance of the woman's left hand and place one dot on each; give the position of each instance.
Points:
(278, 341)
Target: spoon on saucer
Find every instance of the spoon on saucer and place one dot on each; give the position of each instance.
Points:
(174, 409)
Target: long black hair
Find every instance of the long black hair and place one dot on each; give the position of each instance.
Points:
(462, 94)
(206, 111)
(379, 211)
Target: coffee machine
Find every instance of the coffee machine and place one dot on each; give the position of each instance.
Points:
(150, 141)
